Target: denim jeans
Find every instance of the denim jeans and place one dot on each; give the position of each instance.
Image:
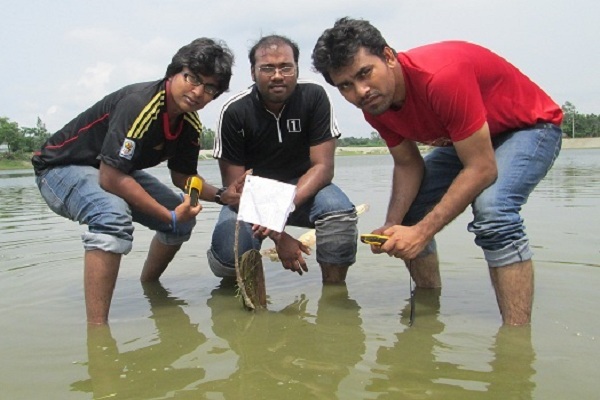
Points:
(330, 212)
(523, 158)
(74, 192)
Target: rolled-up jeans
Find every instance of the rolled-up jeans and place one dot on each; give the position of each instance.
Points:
(523, 158)
(74, 192)
(329, 212)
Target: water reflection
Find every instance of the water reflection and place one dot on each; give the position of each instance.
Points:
(291, 353)
(575, 176)
(328, 343)
(146, 372)
(415, 368)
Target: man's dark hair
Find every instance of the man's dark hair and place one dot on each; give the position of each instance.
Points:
(337, 46)
(207, 57)
(270, 40)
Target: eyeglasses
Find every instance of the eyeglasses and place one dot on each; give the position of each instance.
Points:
(196, 81)
(269, 70)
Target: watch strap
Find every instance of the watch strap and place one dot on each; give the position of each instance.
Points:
(218, 196)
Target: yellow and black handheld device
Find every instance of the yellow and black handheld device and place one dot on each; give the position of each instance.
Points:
(373, 239)
(193, 187)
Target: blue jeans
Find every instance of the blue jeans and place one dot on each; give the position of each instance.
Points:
(74, 192)
(330, 212)
(523, 158)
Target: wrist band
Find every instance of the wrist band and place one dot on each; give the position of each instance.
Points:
(174, 221)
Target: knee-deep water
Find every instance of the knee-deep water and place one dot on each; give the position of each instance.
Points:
(189, 337)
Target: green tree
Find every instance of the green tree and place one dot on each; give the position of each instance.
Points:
(569, 118)
(207, 140)
(10, 134)
(579, 125)
(376, 140)
(33, 138)
(373, 141)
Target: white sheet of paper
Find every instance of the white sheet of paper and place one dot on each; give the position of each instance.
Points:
(266, 202)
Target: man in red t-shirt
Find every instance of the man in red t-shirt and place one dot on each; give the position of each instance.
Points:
(496, 135)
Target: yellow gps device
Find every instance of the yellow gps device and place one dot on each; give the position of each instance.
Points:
(193, 187)
(370, 238)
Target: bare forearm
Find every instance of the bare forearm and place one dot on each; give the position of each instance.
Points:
(405, 186)
(319, 175)
(129, 190)
(468, 184)
(316, 178)
(477, 156)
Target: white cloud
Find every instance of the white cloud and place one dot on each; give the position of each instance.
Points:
(95, 78)
(51, 110)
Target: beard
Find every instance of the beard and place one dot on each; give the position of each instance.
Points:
(375, 104)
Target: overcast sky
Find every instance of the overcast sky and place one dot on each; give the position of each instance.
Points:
(59, 57)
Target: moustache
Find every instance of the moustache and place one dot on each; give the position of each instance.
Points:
(367, 98)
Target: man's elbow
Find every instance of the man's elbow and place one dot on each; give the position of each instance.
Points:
(324, 171)
(106, 184)
(490, 174)
(107, 178)
(104, 180)
(329, 172)
(328, 175)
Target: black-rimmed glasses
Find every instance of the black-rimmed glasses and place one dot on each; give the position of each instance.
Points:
(270, 70)
(196, 81)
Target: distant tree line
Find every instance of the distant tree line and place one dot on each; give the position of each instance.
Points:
(576, 125)
(373, 141)
(19, 142)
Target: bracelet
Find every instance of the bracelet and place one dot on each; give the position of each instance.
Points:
(174, 221)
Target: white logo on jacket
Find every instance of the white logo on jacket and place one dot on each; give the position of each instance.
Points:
(127, 149)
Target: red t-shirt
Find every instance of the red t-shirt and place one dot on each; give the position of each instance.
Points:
(453, 87)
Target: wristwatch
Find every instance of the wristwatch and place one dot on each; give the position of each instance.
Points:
(218, 196)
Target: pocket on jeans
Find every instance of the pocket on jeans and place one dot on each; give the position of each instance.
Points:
(55, 203)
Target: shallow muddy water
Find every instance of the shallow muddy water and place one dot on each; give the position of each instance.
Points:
(188, 337)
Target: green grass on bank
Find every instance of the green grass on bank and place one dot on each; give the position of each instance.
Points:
(346, 152)
(15, 164)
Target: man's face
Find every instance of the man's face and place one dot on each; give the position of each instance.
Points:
(275, 74)
(190, 92)
(369, 82)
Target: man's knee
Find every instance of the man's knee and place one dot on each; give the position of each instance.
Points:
(223, 238)
(337, 237)
(514, 252)
(218, 268)
(425, 271)
(334, 273)
(105, 242)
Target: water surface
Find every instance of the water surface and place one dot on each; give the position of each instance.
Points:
(188, 337)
